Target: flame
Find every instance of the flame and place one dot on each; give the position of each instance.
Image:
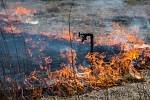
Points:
(66, 72)
(12, 29)
(102, 74)
(48, 34)
(66, 35)
(68, 81)
(70, 55)
(24, 11)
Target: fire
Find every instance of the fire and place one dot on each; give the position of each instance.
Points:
(12, 29)
(100, 74)
(66, 72)
(48, 34)
(131, 55)
(66, 35)
(70, 55)
(24, 11)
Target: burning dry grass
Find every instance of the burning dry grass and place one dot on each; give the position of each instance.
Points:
(24, 11)
(67, 82)
(75, 80)
(12, 29)
(123, 67)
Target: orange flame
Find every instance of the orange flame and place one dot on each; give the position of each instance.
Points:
(24, 11)
(66, 36)
(12, 29)
(100, 73)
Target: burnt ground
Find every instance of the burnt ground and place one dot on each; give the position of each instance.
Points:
(86, 16)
